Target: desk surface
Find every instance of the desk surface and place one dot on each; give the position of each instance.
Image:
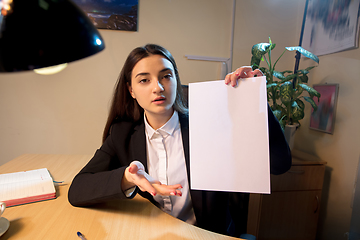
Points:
(57, 219)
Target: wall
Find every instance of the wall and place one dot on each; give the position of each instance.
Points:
(341, 149)
(65, 113)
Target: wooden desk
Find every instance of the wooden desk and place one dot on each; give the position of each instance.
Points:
(57, 219)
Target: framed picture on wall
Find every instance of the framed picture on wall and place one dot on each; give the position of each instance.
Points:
(323, 119)
(111, 14)
(331, 26)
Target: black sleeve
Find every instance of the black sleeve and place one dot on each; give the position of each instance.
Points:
(280, 155)
(100, 179)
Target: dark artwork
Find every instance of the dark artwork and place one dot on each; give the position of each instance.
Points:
(111, 14)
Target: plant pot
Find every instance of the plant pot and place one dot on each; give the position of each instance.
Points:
(290, 134)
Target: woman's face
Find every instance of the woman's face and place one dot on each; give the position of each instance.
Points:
(153, 85)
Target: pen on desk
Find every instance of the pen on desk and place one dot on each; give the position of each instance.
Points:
(58, 181)
(81, 236)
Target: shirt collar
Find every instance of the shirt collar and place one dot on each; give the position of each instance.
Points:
(167, 129)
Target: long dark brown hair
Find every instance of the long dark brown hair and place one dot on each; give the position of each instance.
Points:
(123, 106)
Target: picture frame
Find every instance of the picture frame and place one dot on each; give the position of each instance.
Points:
(111, 15)
(330, 26)
(323, 119)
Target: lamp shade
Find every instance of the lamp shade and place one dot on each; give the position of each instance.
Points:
(42, 33)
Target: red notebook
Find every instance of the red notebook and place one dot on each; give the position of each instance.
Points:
(26, 187)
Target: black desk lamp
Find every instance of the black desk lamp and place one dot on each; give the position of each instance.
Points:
(42, 33)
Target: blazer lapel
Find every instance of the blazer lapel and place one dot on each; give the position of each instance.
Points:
(138, 144)
(196, 195)
(184, 124)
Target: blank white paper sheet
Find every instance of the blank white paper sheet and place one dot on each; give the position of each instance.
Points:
(229, 149)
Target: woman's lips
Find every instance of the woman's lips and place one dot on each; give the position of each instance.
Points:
(159, 100)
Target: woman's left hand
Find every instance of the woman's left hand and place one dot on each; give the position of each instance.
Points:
(242, 72)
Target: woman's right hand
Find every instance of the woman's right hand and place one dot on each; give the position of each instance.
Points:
(135, 175)
(241, 72)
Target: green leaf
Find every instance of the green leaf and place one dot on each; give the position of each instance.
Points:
(312, 102)
(286, 92)
(304, 52)
(282, 109)
(300, 103)
(298, 92)
(309, 68)
(297, 112)
(271, 85)
(304, 79)
(303, 71)
(279, 75)
(291, 76)
(277, 114)
(282, 122)
(255, 62)
(306, 70)
(278, 58)
(286, 71)
(258, 51)
(266, 72)
(282, 125)
(310, 90)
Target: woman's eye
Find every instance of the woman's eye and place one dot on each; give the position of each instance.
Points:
(167, 76)
(143, 80)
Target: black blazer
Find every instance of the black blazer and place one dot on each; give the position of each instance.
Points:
(100, 179)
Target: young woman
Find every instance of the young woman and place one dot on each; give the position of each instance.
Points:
(146, 146)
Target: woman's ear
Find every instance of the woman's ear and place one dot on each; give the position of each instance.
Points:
(130, 90)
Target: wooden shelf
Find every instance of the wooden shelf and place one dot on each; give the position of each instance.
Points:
(291, 211)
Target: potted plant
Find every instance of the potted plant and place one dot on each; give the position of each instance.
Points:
(285, 88)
